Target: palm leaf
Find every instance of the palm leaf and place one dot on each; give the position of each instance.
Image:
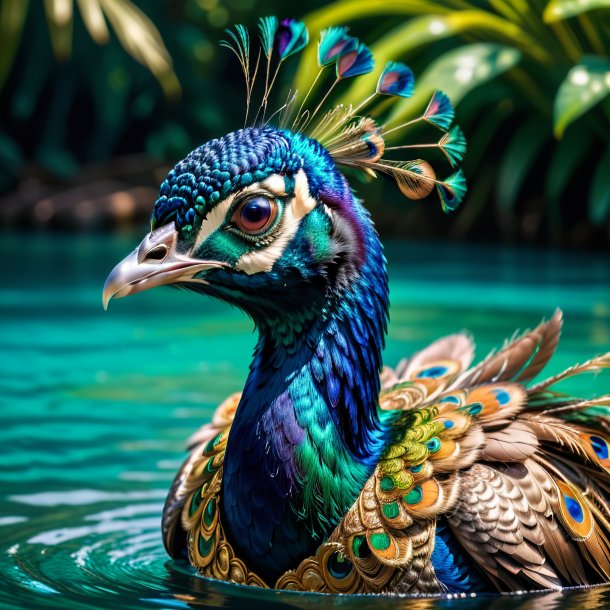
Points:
(59, 18)
(599, 195)
(586, 85)
(568, 154)
(562, 9)
(12, 18)
(93, 18)
(135, 31)
(141, 39)
(459, 71)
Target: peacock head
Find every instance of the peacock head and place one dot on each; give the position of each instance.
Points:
(251, 217)
(262, 216)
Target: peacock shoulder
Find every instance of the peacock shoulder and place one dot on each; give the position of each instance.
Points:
(485, 484)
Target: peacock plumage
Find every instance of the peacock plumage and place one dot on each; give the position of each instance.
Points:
(328, 472)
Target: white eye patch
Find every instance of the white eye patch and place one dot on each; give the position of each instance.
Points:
(217, 216)
(296, 209)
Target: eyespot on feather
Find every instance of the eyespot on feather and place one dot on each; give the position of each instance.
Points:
(597, 448)
(573, 511)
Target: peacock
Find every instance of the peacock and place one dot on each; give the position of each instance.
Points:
(329, 472)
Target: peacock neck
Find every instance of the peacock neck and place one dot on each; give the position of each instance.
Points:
(307, 433)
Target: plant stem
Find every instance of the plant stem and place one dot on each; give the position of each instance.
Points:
(592, 34)
(568, 41)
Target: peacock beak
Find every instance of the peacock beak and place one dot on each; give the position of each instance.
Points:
(155, 262)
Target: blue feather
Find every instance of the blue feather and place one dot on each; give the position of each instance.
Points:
(451, 565)
(291, 37)
(396, 79)
(355, 63)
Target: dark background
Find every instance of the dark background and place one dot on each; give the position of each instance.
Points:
(87, 131)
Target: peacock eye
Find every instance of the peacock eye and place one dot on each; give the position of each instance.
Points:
(254, 216)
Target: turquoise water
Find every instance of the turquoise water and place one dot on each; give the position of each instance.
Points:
(96, 406)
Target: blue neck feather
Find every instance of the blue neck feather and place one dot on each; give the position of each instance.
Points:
(307, 434)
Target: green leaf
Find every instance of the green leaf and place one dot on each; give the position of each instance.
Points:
(585, 85)
(518, 161)
(458, 72)
(93, 18)
(421, 31)
(11, 155)
(556, 10)
(599, 195)
(12, 17)
(567, 155)
(350, 11)
(60, 21)
(142, 40)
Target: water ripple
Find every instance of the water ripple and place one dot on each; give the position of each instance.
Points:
(100, 406)
(113, 558)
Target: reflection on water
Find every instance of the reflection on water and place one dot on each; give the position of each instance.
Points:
(96, 408)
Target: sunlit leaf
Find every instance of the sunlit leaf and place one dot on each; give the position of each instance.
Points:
(135, 31)
(599, 195)
(586, 84)
(350, 11)
(418, 32)
(458, 72)
(59, 18)
(518, 161)
(141, 39)
(93, 18)
(562, 9)
(12, 17)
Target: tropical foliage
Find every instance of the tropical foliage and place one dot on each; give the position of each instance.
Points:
(135, 31)
(84, 81)
(533, 80)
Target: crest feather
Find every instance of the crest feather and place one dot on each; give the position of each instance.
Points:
(355, 135)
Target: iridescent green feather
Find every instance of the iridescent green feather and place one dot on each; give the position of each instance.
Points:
(453, 145)
(439, 111)
(452, 190)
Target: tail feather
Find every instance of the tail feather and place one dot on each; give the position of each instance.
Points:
(521, 359)
(595, 365)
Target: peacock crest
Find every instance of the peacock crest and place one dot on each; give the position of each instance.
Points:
(355, 135)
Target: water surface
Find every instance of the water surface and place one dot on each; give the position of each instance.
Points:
(96, 407)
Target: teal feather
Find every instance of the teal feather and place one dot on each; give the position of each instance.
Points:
(452, 190)
(453, 145)
(239, 43)
(439, 111)
(334, 43)
(267, 27)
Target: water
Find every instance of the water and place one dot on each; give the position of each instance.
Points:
(96, 406)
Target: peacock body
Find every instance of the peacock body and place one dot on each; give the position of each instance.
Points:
(324, 475)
